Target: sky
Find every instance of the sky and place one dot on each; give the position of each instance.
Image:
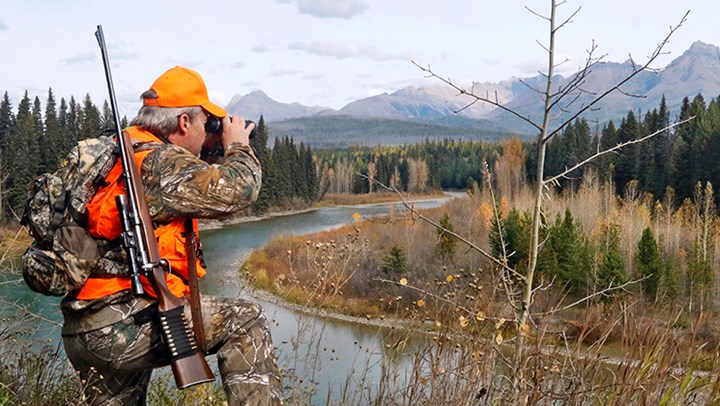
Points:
(322, 52)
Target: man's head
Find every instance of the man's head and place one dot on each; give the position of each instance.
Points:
(182, 87)
(176, 107)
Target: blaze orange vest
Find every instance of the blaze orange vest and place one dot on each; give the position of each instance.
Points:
(104, 222)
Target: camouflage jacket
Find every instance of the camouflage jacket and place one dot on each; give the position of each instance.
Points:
(177, 184)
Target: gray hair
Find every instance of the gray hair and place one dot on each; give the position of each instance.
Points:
(161, 121)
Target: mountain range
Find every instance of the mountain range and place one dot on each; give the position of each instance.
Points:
(412, 114)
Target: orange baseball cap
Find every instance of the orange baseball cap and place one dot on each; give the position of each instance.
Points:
(182, 87)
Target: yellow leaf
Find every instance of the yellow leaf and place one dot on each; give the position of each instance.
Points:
(423, 380)
(524, 328)
(499, 323)
(480, 316)
(463, 321)
(437, 324)
(403, 281)
(449, 278)
(420, 303)
(357, 216)
(498, 337)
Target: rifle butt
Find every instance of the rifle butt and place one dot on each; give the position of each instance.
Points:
(191, 370)
(188, 364)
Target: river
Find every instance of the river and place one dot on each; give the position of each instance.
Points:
(323, 354)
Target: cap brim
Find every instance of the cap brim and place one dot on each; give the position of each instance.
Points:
(214, 109)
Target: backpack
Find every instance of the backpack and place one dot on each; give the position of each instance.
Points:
(64, 253)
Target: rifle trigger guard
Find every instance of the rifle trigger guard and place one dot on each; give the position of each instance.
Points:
(166, 265)
(147, 268)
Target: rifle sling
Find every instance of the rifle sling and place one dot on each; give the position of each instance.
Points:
(197, 320)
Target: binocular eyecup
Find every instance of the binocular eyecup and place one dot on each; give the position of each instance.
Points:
(214, 125)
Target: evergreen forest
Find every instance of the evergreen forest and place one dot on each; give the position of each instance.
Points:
(35, 137)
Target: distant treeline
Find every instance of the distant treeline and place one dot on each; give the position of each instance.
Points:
(674, 160)
(419, 168)
(35, 140)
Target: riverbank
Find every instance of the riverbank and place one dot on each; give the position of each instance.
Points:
(383, 321)
(330, 200)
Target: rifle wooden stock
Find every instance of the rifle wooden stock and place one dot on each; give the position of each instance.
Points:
(188, 365)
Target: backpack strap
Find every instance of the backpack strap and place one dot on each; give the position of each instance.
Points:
(80, 218)
(58, 210)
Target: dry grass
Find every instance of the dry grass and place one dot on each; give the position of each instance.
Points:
(634, 350)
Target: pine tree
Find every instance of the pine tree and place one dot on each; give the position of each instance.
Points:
(404, 172)
(691, 140)
(107, 119)
(259, 142)
(75, 118)
(446, 242)
(66, 139)
(259, 145)
(648, 175)
(90, 124)
(395, 263)
(569, 248)
(7, 127)
(663, 149)
(606, 164)
(43, 154)
(649, 263)
(53, 134)
(627, 162)
(300, 179)
(311, 176)
(7, 122)
(515, 237)
(23, 155)
(611, 269)
(281, 172)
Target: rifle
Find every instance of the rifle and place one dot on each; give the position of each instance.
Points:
(138, 238)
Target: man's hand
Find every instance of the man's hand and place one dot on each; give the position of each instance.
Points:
(234, 130)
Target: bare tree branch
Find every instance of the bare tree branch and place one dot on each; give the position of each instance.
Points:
(474, 96)
(602, 292)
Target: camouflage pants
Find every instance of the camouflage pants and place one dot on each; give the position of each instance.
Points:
(115, 363)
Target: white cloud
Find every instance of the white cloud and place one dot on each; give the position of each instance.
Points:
(3, 25)
(331, 8)
(260, 48)
(314, 76)
(348, 50)
(80, 59)
(283, 72)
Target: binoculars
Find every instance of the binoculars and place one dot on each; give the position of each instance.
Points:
(214, 126)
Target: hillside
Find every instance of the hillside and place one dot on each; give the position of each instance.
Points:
(343, 130)
(437, 111)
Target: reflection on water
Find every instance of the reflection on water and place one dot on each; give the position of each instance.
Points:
(327, 354)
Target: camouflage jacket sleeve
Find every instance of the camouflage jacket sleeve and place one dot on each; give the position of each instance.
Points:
(179, 184)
